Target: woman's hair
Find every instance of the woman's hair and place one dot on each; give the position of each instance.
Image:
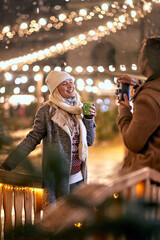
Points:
(151, 52)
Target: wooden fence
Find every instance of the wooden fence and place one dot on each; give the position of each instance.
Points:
(81, 203)
(20, 200)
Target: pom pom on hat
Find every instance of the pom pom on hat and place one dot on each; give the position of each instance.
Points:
(54, 78)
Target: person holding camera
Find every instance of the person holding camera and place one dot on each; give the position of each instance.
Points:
(140, 128)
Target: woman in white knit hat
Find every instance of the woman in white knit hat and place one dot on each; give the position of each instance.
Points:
(66, 135)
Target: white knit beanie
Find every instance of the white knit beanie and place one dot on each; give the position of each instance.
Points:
(54, 78)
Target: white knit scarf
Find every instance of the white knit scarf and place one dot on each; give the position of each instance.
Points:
(62, 118)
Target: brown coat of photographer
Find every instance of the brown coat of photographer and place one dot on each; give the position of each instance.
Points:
(140, 126)
(141, 130)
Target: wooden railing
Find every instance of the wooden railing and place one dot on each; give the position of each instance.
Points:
(143, 183)
(20, 200)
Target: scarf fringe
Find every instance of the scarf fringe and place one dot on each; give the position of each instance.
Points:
(83, 154)
(76, 111)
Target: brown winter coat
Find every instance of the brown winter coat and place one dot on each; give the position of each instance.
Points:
(141, 130)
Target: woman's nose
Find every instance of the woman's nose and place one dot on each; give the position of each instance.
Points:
(70, 85)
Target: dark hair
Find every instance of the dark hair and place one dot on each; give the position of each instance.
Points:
(151, 52)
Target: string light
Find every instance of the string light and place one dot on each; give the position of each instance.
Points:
(17, 188)
(68, 69)
(123, 67)
(2, 100)
(57, 69)
(37, 77)
(71, 44)
(17, 81)
(90, 69)
(38, 190)
(115, 195)
(104, 7)
(2, 90)
(100, 68)
(14, 67)
(8, 76)
(78, 225)
(89, 81)
(7, 187)
(47, 24)
(47, 69)
(112, 68)
(44, 88)
(79, 69)
(25, 68)
(89, 85)
(75, 42)
(31, 89)
(24, 79)
(58, 22)
(36, 68)
(134, 67)
(75, 70)
(16, 90)
(88, 89)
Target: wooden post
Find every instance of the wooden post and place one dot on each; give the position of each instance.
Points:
(7, 204)
(28, 204)
(154, 199)
(1, 191)
(126, 193)
(133, 193)
(147, 197)
(18, 205)
(37, 203)
(147, 191)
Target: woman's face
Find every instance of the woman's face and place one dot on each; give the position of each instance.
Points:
(67, 88)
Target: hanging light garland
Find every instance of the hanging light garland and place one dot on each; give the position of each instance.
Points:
(87, 84)
(119, 23)
(58, 22)
(53, 22)
(69, 69)
(78, 72)
(156, 1)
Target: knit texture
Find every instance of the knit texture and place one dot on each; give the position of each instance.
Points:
(54, 78)
(63, 120)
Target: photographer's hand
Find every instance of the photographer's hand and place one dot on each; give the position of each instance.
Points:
(128, 79)
(124, 103)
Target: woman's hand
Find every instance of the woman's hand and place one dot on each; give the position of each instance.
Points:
(125, 103)
(128, 79)
(93, 113)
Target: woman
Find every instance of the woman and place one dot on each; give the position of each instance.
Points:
(66, 135)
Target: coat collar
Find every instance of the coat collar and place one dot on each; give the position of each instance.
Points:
(149, 82)
(59, 121)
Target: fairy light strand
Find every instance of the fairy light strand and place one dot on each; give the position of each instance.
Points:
(57, 22)
(119, 23)
(82, 80)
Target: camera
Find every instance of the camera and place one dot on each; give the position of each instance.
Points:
(121, 89)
